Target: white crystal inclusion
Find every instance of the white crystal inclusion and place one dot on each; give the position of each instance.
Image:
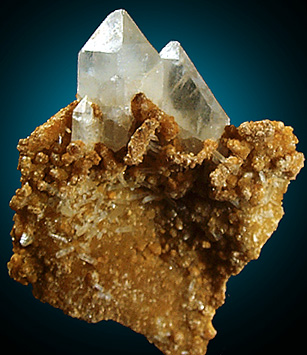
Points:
(118, 62)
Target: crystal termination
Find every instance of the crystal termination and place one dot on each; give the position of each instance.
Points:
(117, 62)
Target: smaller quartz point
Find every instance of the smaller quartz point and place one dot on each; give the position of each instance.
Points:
(188, 98)
(85, 126)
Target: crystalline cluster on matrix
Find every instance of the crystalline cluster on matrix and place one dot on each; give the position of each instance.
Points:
(147, 237)
(118, 62)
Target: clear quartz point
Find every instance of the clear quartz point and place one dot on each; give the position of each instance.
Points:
(85, 126)
(112, 66)
(114, 61)
(118, 62)
(188, 98)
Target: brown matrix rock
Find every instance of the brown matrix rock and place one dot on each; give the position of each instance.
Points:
(148, 236)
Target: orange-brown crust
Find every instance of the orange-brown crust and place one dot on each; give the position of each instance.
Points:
(148, 240)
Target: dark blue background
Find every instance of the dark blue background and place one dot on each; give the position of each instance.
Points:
(252, 54)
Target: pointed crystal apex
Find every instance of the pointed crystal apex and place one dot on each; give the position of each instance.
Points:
(187, 96)
(108, 37)
(83, 108)
(171, 51)
(117, 29)
(113, 62)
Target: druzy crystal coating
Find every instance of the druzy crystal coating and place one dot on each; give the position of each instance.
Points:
(118, 62)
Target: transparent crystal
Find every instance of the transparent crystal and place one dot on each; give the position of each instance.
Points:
(188, 98)
(118, 62)
(111, 69)
(113, 62)
(85, 126)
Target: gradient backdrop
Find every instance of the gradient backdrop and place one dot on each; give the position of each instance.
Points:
(252, 54)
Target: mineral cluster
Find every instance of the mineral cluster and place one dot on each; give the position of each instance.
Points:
(138, 206)
(117, 62)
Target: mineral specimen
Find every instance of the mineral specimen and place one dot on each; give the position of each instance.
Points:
(146, 234)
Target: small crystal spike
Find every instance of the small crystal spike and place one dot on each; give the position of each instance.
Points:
(85, 126)
(187, 97)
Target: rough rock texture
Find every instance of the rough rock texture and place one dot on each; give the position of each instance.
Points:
(150, 235)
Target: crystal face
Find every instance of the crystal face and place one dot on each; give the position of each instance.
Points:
(118, 62)
(187, 97)
(114, 61)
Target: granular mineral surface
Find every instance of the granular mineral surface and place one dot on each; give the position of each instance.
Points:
(147, 236)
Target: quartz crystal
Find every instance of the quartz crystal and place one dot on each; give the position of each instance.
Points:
(118, 62)
(111, 67)
(187, 97)
(114, 61)
(85, 126)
